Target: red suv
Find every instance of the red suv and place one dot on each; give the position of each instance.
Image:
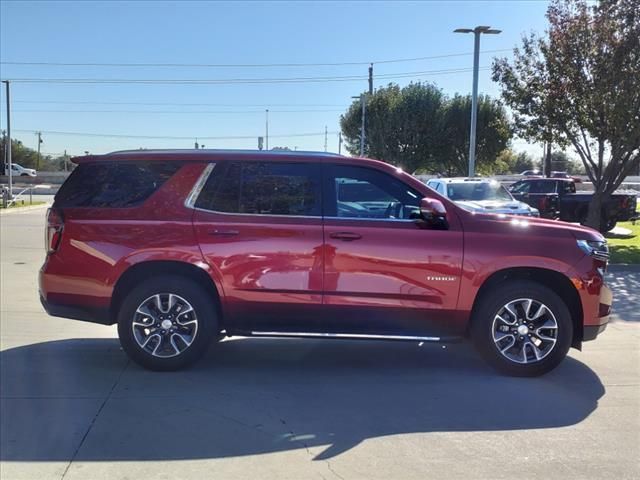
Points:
(182, 248)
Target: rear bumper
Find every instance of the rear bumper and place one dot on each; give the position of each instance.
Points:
(85, 314)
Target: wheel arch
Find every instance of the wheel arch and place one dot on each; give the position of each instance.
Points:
(142, 270)
(558, 282)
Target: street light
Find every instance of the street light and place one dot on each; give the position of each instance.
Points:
(474, 96)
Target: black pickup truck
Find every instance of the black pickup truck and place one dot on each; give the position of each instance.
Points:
(557, 198)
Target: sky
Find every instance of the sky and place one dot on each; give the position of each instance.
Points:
(232, 34)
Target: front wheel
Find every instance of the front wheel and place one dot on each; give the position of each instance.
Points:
(522, 328)
(167, 323)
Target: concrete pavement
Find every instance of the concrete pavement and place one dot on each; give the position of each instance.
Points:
(73, 407)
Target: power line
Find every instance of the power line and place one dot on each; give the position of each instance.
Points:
(246, 65)
(206, 112)
(193, 81)
(191, 137)
(199, 104)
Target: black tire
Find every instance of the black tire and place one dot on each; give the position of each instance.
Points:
(492, 303)
(204, 309)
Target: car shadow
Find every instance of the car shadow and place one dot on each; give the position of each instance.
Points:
(253, 396)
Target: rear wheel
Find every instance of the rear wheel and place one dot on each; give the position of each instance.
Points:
(522, 329)
(167, 323)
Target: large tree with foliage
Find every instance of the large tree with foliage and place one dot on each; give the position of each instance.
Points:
(418, 127)
(493, 132)
(582, 79)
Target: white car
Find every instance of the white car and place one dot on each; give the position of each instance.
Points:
(481, 195)
(20, 171)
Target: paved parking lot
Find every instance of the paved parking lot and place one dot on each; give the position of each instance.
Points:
(73, 406)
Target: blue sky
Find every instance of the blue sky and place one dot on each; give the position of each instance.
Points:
(231, 33)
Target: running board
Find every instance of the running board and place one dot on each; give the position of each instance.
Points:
(349, 336)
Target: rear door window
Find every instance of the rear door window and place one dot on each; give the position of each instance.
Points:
(113, 184)
(263, 188)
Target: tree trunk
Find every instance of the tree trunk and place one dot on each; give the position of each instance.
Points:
(547, 161)
(594, 215)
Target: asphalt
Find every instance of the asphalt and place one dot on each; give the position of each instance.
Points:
(72, 406)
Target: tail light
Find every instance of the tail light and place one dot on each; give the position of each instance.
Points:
(542, 204)
(53, 232)
(625, 202)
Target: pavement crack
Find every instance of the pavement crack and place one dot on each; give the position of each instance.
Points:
(333, 471)
(95, 417)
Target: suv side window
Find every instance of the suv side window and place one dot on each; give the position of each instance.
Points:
(360, 192)
(263, 188)
(113, 184)
(520, 187)
(543, 186)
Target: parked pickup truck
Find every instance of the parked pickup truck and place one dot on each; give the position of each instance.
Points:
(557, 198)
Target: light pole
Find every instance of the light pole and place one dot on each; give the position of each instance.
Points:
(474, 96)
(7, 145)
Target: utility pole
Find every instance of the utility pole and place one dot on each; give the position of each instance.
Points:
(474, 95)
(339, 143)
(266, 139)
(65, 160)
(39, 135)
(8, 145)
(325, 138)
(371, 79)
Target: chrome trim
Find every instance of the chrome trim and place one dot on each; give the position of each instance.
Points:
(198, 186)
(347, 336)
(317, 217)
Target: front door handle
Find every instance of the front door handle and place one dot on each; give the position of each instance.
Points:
(346, 236)
(223, 233)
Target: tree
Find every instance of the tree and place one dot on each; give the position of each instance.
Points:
(403, 125)
(418, 127)
(493, 133)
(582, 81)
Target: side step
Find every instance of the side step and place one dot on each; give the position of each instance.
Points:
(351, 336)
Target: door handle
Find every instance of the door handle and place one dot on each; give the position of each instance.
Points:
(346, 236)
(223, 233)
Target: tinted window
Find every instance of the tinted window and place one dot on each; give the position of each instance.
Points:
(263, 188)
(356, 192)
(542, 186)
(520, 187)
(113, 185)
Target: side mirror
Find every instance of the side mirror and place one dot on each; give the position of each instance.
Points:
(433, 211)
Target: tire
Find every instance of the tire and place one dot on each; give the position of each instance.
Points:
(533, 359)
(176, 341)
(607, 224)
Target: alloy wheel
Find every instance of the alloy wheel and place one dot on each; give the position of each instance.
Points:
(165, 325)
(525, 331)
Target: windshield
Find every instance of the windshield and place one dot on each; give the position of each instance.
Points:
(477, 191)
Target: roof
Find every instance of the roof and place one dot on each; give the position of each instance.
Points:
(464, 180)
(201, 155)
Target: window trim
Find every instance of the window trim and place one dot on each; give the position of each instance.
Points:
(276, 215)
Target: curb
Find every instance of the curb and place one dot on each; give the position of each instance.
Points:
(28, 208)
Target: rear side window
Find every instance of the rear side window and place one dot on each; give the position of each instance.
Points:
(113, 184)
(542, 186)
(263, 188)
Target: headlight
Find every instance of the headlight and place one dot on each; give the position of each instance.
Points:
(595, 248)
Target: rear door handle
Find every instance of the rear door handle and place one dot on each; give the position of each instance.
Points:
(346, 236)
(223, 233)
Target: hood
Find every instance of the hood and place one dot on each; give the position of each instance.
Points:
(495, 206)
(534, 226)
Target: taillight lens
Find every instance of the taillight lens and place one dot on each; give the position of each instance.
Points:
(53, 232)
